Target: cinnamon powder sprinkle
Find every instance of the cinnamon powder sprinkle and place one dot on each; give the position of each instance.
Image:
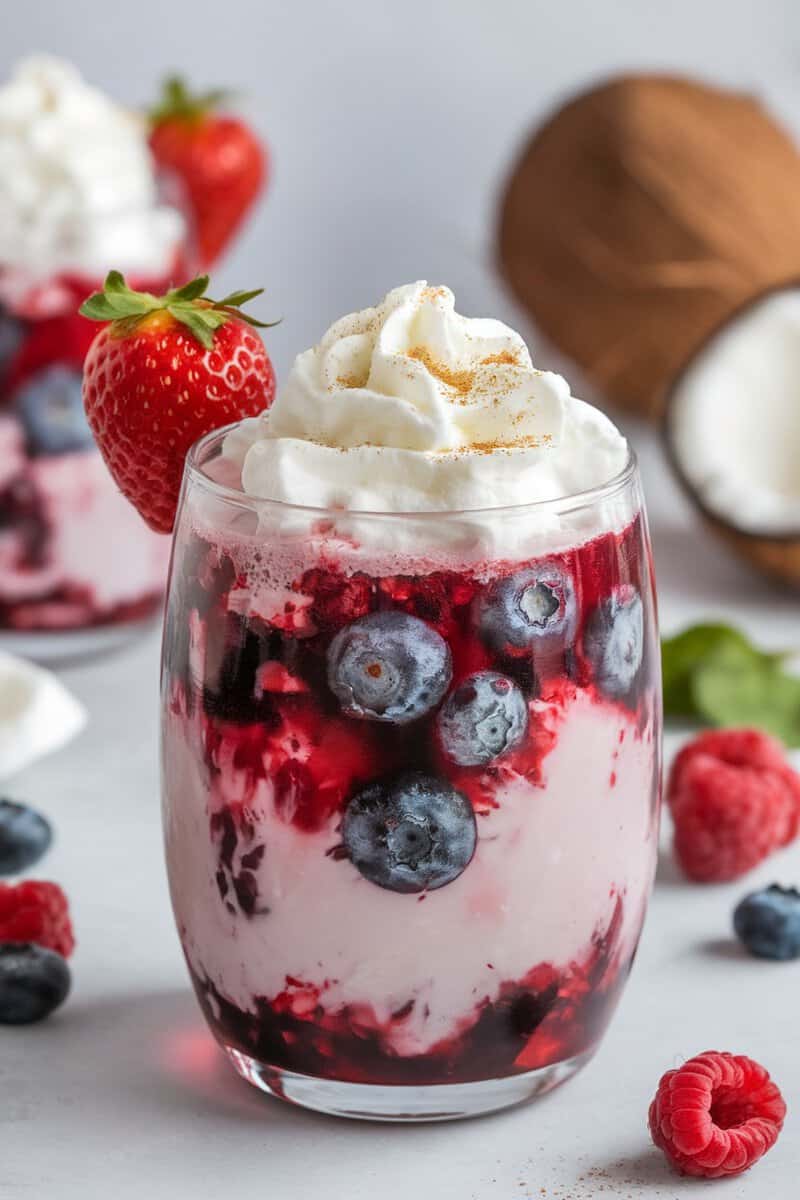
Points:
(460, 381)
(505, 357)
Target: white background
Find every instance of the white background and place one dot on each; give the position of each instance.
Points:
(391, 126)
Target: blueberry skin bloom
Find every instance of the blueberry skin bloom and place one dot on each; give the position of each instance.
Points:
(767, 922)
(389, 666)
(614, 641)
(50, 406)
(531, 606)
(33, 982)
(410, 833)
(25, 835)
(486, 716)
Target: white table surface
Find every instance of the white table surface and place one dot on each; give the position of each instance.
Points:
(123, 1094)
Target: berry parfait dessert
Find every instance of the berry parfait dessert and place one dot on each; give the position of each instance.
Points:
(80, 190)
(411, 722)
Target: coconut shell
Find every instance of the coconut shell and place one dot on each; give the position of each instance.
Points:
(639, 217)
(775, 555)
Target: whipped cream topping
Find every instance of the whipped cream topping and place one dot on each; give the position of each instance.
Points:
(410, 407)
(77, 183)
(37, 714)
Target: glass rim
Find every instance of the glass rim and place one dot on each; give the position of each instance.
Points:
(584, 498)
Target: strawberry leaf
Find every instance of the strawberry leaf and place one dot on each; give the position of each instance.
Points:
(188, 304)
(178, 102)
(190, 291)
(237, 299)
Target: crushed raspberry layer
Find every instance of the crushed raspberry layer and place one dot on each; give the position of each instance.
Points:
(546, 1017)
(716, 1115)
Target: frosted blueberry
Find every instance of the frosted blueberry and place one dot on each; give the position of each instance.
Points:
(529, 606)
(409, 833)
(50, 406)
(767, 922)
(33, 982)
(614, 641)
(484, 717)
(25, 835)
(389, 666)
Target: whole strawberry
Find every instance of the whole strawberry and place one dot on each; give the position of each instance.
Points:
(165, 371)
(219, 162)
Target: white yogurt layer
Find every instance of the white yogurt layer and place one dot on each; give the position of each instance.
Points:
(96, 539)
(549, 864)
(77, 182)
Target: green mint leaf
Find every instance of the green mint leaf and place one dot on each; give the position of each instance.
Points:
(680, 657)
(735, 689)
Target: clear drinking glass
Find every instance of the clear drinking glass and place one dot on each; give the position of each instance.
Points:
(410, 782)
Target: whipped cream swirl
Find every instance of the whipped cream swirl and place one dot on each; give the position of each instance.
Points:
(77, 183)
(410, 407)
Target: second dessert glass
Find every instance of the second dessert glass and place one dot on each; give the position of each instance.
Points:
(410, 780)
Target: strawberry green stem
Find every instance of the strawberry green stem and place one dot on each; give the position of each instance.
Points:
(189, 304)
(178, 102)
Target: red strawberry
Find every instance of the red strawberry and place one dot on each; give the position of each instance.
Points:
(165, 371)
(218, 160)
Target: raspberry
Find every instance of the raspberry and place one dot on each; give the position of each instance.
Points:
(35, 911)
(336, 599)
(716, 1115)
(738, 748)
(734, 800)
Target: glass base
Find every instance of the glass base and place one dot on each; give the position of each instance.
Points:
(387, 1102)
(63, 646)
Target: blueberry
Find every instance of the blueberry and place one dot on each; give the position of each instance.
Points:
(389, 666)
(25, 836)
(484, 717)
(767, 922)
(11, 334)
(409, 833)
(50, 407)
(614, 641)
(33, 982)
(531, 606)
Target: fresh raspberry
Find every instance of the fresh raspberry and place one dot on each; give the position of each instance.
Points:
(734, 799)
(35, 911)
(716, 1115)
(739, 748)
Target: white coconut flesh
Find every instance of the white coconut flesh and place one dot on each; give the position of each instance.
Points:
(734, 419)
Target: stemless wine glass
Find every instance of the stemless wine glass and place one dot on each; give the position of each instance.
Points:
(410, 780)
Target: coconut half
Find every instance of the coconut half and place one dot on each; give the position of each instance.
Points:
(641, 215)
(732, 431)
